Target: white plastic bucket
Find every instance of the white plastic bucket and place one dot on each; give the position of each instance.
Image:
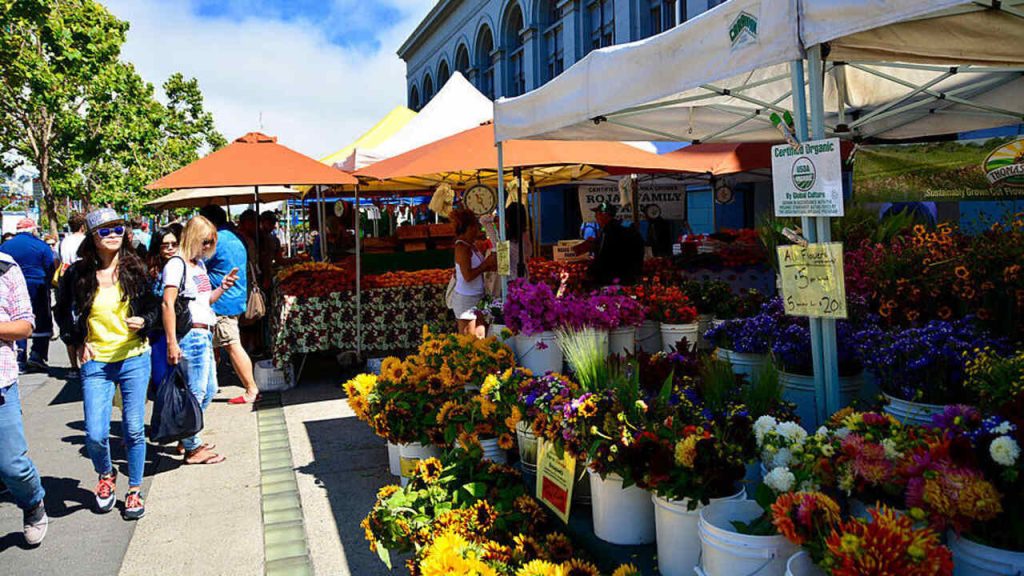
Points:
(671, 334)
(527, 441)
(496, 331)
(800, 564)
(746, 363)
(394, 460)
(704, 323)
(622, 340)
(912, 413)
(622, 516)
(602, 337)
(539, 353)
(492, 452)
(676, 529)
(648, 337)
(725, 552)
(373, 365)
(973, 559)
(410, 454)
(800, 390)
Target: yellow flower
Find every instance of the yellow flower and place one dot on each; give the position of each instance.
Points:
(387, 491)
(627, 570)
(686, 451)
(559, 547)
(429, 469)
(540, 568)
(514, 418)
(487, 408)
(490, 383)
(446, 411)
(580, 568)
(506, 442)
(391, 369)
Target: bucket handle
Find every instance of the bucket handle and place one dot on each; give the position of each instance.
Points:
(700, 559)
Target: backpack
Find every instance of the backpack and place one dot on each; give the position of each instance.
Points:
(182, 315)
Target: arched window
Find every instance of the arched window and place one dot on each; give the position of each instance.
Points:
(484, 64)
(515, 82)
(442, 74)
(662, 16)
(462, 60)
(552, 38)
(414, 98)
(428, 89)
(600, 29)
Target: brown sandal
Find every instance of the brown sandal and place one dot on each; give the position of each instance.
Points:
(181, 447)
(206, 456)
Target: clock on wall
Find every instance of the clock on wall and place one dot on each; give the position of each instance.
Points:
(481, 199)
(339, 208)
(723, 193)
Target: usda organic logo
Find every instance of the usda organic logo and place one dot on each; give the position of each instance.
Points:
(804, 174)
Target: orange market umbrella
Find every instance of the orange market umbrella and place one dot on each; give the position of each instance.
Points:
(472, 155)
(253, 160)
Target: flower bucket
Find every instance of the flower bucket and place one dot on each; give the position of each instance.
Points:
(800, 390)
(622, 340)
(746, 363)
(704, 323)
(621, 515)
(648, 337)
(411, 454)
(676, 529)
(973, 559)
(911, 413)
(496, 331)
(539, 353)
(394, 460)
(527, 442)
(602, 337)
(754, 476)
(581, 495)
(492, 451)
(671, 334)
(800, 564)
(725, 552)
(373, 365)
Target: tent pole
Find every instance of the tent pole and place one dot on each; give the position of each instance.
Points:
(320, 215)
(256, 200)
(288, 227)
(501, 213)
(829, 348)
(359, 300)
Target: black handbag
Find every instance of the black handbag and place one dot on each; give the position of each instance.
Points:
(176, 413)
(182, 315)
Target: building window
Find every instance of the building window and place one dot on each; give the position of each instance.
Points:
(554, 39)
(428, 90)
(462, 60)
(662, 15)
(442, 74)
(414, 99)
(601, 24)
(484, 63)
(516, 81)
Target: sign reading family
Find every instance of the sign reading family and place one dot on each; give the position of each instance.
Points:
(656, 199)
(812, 280)
(808, 180)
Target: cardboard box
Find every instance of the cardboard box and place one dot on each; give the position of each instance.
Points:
(564, 251)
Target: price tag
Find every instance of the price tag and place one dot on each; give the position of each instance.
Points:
(504, 266)
(812, 280)
(555, 478)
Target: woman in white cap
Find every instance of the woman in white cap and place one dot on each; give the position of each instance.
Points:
(105, 309)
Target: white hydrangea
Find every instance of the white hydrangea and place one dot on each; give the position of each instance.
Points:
(891, 452)
(764, 425)
(780, 479)
(792, 431)
(1004, 428)
(1004, 451)
(782, 458)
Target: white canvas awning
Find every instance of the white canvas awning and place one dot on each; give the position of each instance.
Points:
(894, 69)
(457, 107)
(199, 197)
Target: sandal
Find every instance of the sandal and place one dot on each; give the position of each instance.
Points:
(181, 447)
(206, 456)
(243, 400)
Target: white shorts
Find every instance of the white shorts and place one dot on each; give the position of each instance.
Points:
(465, 306)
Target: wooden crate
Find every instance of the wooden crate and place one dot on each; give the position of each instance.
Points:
(441, 230)
(564, 251)
(416, 231)
(415, 246)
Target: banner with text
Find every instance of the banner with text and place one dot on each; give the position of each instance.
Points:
(808, 181)
(656, 199)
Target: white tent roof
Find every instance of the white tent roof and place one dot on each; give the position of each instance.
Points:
(457, 107)
(895, 69)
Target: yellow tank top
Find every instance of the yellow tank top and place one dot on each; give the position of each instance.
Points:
(109, 335)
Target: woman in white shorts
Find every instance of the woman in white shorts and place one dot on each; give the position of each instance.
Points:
(470, 266)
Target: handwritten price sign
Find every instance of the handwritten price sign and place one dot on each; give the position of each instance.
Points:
(812, 280)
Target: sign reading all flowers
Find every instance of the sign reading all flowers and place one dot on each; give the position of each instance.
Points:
(812, 280)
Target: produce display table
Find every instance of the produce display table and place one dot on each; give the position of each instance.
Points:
(393, 320)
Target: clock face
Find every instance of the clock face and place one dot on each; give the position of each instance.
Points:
(481, 199)
(723, 194)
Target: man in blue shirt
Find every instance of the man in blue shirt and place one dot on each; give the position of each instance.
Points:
(230, 254)
(37, 263)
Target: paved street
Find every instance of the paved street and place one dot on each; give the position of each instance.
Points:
(200, 519)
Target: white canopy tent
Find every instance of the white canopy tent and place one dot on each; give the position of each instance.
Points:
(894, 69)
(457, 107)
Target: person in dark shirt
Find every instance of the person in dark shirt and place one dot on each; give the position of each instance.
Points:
(38, 264)
(618, 250)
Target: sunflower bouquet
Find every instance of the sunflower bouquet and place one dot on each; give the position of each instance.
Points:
(488, 413)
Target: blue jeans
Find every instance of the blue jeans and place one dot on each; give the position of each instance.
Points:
(98, 381)
(158, 346)
(16, 469)
(201, 371)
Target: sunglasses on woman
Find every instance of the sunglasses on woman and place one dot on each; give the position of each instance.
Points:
(115, 230)
(208, 242)
(166, 245)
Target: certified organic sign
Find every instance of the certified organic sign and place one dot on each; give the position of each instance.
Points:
(808, 181)
(812, 280)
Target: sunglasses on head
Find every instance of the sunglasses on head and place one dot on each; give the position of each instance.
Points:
(112, 230)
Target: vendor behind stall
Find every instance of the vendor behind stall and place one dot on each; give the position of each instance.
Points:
(618, 250)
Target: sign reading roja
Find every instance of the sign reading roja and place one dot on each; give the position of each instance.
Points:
(664, 200)
(812, 280)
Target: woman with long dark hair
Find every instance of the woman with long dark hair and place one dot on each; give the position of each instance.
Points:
(105, 310)
(162, 247)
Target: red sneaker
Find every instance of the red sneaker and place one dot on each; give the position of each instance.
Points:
(106, 492)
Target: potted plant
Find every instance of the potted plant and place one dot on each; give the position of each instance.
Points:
(532, 312)
(677, 317)
(707, 297)
(491, 312)
(746, 342)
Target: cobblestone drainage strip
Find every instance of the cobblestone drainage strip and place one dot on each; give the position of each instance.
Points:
(285, 550)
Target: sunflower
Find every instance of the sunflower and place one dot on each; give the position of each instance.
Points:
(435, 386)
(528, 546)
(540, 568)
(391, 369)
(490, 383)
(487, 408)
(387, 491)
(506, 442)
(588, 408)
(496, 552)
(484, 514)
(429, 470)
(559, 547)
(513, 420)
(627, 570)
(580, 568)
(962, 272)
(448, 409)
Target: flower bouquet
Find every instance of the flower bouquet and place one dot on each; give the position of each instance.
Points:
(531, 309)
(707, 296)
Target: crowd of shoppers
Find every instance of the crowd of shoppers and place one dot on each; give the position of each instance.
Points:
(118, 292)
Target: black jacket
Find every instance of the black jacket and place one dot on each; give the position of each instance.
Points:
(72, 309)
(619, 257)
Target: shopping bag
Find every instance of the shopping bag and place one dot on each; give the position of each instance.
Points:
(176, 412)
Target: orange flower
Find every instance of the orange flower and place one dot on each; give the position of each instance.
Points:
(962, 272)
(803, 516)
(945, 312)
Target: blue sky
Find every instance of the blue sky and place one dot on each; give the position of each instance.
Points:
(316, 74)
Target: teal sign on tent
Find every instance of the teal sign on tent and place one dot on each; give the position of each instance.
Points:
(743, 30)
